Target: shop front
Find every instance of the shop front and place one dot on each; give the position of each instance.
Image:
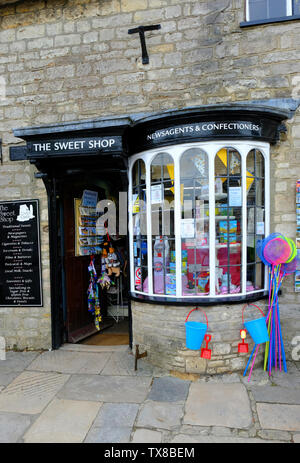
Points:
(180, 199)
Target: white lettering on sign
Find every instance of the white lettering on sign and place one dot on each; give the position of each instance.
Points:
(104, 143)
(204, 127)
(68, 145)
(74, 145)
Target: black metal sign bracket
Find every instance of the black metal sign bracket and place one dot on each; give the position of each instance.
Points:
(141, 31)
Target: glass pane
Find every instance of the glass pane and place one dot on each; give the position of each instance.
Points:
(162, 224)
(138, 173)
(194, 222)
(139, 219)
(255, 165)
(266, 9)
(277, 8)
(228, 279)
(296, 9)
(255, 277)
(228, 209)
(260, 192)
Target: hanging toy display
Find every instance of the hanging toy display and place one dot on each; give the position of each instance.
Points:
(279, 252)
(113, 264)
(104, 280)
(93, 294)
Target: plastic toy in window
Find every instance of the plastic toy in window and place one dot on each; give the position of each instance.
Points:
(113, 264)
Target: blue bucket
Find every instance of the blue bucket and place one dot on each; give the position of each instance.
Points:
(195, 332)
(258, 329)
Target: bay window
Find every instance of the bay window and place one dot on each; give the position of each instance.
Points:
(196, 211)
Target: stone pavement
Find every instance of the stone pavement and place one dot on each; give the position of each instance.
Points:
(92, 394)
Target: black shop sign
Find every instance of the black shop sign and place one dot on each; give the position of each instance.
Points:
(150, 136)
(20, 260)
(74, 146)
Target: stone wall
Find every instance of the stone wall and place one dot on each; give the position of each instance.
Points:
(160, 330)
(63, 60)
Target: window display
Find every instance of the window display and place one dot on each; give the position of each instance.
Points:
(207, 206)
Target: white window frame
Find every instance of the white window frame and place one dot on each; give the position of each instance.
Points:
(289, 10)
(176, 151)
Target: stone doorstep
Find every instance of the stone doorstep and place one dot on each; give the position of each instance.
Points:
(88, 348)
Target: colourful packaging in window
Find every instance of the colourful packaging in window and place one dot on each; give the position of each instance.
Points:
(170, 283)
(223, 210)
(184, 256)
(225, 238)
(202, 282)
(171, 278)
(172, 267)
(173, 255)
(170, 288)
(223, 226)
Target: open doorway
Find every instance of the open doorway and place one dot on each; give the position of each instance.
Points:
(95, 267)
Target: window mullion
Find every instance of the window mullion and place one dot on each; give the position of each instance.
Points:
(247, 11)
(212, 224)
(244, 220)
(177, 223)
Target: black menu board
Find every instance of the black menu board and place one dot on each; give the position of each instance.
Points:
(20, 260)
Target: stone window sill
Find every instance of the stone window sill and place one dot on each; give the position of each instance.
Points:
(209, 301)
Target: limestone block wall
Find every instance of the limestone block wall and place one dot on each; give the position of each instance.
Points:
(160, 330)
(63, 60)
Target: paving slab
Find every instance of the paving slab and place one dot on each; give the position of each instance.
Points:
(30, 392)
(279, 416)
(17, 361)
(126, 389)
(6, 378)
(116, 414)
(113, 423)
(290, 379)
(109, 434)
(146, 436)
(216, 404)
(13, 426)
(161, 415)
(122, 363)
(296, 438)
(63, 421)
(70, 362)
(273, 394)
(188, 439)
(169, 389)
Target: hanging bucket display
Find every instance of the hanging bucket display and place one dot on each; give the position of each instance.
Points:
(195, 332)
(257, 328)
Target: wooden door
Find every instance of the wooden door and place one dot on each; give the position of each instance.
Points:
(79, 323)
